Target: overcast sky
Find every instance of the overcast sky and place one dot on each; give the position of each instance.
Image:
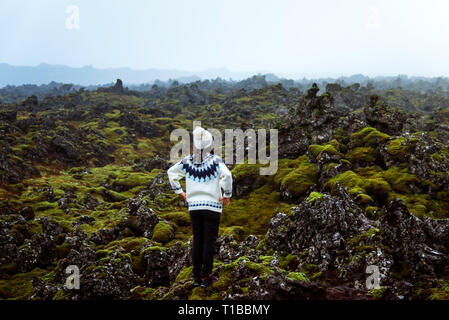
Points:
(322, 38)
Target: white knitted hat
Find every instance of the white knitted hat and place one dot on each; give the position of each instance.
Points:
(202, 138)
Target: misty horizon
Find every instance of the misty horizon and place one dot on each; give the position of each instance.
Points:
(247, 73)
(89, 75)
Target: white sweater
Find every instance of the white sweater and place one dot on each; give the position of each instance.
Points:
(204, 181)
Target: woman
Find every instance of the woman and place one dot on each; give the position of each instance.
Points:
(204, 184)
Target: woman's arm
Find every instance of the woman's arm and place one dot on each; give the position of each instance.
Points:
(175, 174)
(225, 181)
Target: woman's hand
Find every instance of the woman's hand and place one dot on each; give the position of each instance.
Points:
(182, 195)
(225, 201)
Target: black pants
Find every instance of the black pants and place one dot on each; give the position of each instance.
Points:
(205, 225)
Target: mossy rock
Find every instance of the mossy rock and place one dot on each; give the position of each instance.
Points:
(298, 181)
(181, 218)
(152, 248)
(237, 232)
(227, 277)
(128, 244)
(368, 136)
(377, 293)
(400, 180)
(363, 199)
(375, 187)
(19, 285)
(112, 196)
(289, 262)
(163, 232)
(255, 211)
(318, 150)
(397, 149)
(362, 155)
(297, 276)
(185, 274)
(144, 293)
(356, 240)
(131, 180)
(311, 271)
(313, 196)
(441, 292)
(372, 212)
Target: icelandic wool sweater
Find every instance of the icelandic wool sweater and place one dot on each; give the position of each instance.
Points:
(204, 182)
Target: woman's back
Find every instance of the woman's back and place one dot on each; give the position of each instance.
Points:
(204, 181)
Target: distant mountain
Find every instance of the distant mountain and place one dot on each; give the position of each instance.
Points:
(87, 75)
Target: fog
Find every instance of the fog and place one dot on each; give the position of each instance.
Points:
(289, 38)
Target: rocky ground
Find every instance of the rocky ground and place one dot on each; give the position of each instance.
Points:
(83, 182)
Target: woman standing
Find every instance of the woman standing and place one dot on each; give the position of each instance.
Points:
(208, 187)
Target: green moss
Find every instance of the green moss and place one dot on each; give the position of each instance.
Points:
(114, 196)
(266, 260)
(299, 180)
(137, 264)
(358, 239)
(237, 232)
(62, 295)
(330, 166)
(364, 199)
(152, 248)
(372, 212)
(227, 278)
(112, 116)
(19, 286)
(399, 178)
(377, 293)
(397, 149)
(297, 276)
(128, 244)
(317, 150)
(441, 292)
(289, 262)
(362, 155)
(263, 245)
(146, 147)
(144, 293)
(383, 185)
(184, 274)
(181, 218)
(438, 157)
(22, 148)
(255, 211)
(44, 205)
(418, 210)
(62, 250)
(368, 136)
(249, 172)
(162, 232)
(335, 144)
(314, 196)
(294, 176)
(10, 268)
(132, 180)
(375, 187)
(311, 271)
(27, 230)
